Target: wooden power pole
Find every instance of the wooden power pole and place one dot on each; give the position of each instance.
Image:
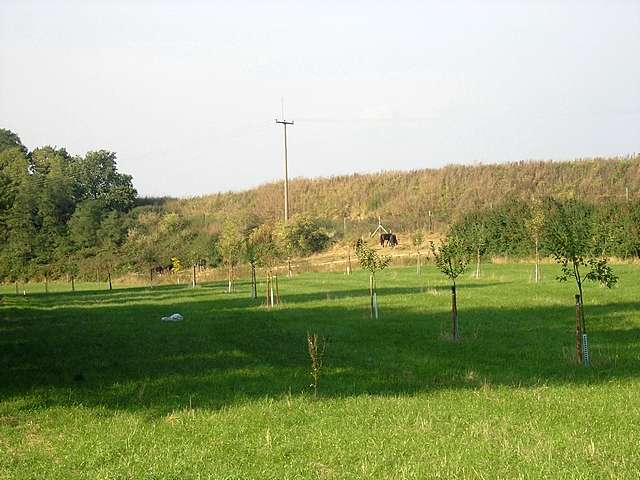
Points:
(286, 170)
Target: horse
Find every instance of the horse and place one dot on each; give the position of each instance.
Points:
(388, 239)
(160, 269)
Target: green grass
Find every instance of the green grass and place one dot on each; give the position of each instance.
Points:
(93, 385)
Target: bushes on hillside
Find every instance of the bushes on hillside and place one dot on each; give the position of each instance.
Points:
(515, 228)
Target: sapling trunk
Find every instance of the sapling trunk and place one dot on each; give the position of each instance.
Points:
(73, 283)
(537, 263)
(193, 276)
(316, 353)
(371, 287)
(254, 287)
(583, 326)
(277, 290)
(454, 314)
(375, 305)
(46, 283)
(289, 271)
(418, 264)
(109, 277)
(578, 277)
(578, 329)
(478, 263)
(16, 287)
(269, 291)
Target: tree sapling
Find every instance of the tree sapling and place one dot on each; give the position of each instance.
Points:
(452, 258)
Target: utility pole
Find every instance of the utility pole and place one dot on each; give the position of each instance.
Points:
(286, 170)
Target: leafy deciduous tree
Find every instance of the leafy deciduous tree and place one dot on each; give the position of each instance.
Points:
(452, 258)
(373, 262)
(570, 235)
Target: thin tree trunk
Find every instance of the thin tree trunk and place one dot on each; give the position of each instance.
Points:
(371, 295)
(375, 298)
(277, 290)
(193, 277)
(578, 329)
(478, 263)
(229, 279)
(537, 263)
(419, 264)
(289, 271)
(151, 277)
(454, 314)
(73, 283)
(583, 327)
(254, 287)
(268, 289)
(46, 283)
(16, 282)
(109, 277)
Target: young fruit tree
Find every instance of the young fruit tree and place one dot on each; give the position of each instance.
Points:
(231, 246)
(267, 256)
(251, 254)
(284, 235)
(452, 258)
(474, 234)
(416, 241)
(569, 233)
(176, 267)
(535, 227)
(371, 261)
(194, 249)
(316, 346)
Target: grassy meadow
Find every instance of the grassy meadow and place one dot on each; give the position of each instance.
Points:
(94, 386)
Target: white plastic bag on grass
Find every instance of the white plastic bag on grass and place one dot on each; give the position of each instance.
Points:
(176, 317)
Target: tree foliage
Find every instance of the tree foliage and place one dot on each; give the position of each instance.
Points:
(570, 236)
(451, 257)
(370, 259)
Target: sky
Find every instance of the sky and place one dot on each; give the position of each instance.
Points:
(187, 92)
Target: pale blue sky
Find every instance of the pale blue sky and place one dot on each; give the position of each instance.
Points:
(186, 92)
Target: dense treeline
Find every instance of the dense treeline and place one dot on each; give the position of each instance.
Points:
(56, 209)
(516, 228)
(78, 217)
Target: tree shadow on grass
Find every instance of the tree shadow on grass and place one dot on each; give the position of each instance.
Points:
(242, 300)
(121, 357)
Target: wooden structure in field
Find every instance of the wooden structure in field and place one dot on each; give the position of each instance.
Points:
(379, 228)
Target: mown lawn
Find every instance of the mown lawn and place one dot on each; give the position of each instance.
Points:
(93, 385)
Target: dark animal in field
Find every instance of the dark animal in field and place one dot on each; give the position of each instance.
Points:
(160, 269)
(388, 239)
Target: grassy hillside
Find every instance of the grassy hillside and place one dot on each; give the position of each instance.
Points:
(403, 199)
(93, 385)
